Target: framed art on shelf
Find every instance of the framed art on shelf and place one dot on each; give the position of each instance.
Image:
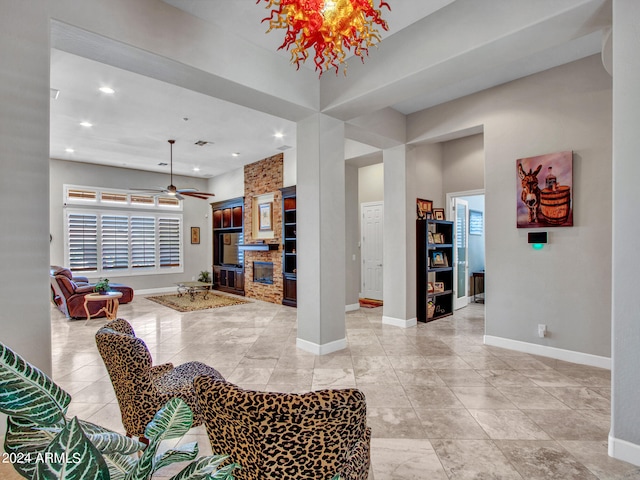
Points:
(438, 214)
(438, 237)
(265, 216)
(424, 208)
(438, 287)
(439, 259)
(430, 287)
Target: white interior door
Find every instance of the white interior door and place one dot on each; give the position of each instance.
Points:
(461, 253)
(371, 251)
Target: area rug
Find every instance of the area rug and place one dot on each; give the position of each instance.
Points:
(184, 303)
(370, 303)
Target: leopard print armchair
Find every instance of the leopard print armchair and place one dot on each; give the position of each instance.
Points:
(314, 435)
(141, 388)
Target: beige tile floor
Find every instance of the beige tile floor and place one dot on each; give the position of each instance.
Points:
(441, 405)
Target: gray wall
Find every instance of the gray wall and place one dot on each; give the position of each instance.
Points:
(626, 256)
(463, 164)
(352, 249)
(370, 183)
(565, 108)
(24, 180)
(196, 213)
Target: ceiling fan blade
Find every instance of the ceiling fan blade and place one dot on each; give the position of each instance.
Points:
(185, 190)
(142, 190)
(201, 195)
(178, 196)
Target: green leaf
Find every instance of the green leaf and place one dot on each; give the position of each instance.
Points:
(27, 392)
(144, 468)
(184, 453)
(119, 465)
(205, 468)
(173, 420)
(108, 441)
(25, 440)
(71, 456)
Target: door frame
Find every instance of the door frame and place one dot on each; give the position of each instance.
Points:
(451, 214)
(361, 217)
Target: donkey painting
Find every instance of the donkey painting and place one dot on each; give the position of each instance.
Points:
(530, 191)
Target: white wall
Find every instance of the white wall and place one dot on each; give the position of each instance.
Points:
(565, 108)
(429, 177)
(196, 213)
(228, 185)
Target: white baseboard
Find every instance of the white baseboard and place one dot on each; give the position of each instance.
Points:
(352, 308)
(623, 450)
(151, 291)
(551, 352)
(321, 349)
(398, 322)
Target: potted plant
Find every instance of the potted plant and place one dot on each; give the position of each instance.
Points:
(204, 277)
(47, 445)
(102, 286)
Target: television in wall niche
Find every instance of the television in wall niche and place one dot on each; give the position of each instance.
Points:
(545, 190)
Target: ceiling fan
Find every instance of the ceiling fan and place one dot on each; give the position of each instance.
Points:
(172, 190)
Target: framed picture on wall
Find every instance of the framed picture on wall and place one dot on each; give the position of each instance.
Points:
(195, 235)
(265, 216)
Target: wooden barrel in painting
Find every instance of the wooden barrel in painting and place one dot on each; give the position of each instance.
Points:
(555, 205)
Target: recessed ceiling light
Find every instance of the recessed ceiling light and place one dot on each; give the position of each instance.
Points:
(86, 124)
(196, 169)
(278, 135)
(235, 154)
(69, 150)
(108, 90)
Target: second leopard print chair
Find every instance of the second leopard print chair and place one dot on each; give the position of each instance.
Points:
(141, 388)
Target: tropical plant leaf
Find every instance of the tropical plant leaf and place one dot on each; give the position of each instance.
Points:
(173, 420)
(108, 441)
(225, 473)
(143, 469)
(184, 453)
(27, 392)
(71, 456)
(26, 441)
(119, 465)
(204, 468)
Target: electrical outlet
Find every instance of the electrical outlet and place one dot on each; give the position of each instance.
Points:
(542, 330)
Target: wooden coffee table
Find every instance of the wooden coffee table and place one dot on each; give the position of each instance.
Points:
(110, 308)
(192, 288)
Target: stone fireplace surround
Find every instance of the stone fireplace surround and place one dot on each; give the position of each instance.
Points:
(262, 178)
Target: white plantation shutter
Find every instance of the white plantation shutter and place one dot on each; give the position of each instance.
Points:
(82, 230)
(110, 242)
(115, 242)
(143, 242)
(169, 242)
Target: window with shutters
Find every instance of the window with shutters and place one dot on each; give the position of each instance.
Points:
(111, 232)
(112, 243)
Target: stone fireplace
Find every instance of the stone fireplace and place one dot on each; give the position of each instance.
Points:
(263, 272)
(262, 183)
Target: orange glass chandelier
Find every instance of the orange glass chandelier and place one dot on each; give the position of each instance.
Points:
(330, 28)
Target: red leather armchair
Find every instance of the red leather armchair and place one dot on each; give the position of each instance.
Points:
(67, 293)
